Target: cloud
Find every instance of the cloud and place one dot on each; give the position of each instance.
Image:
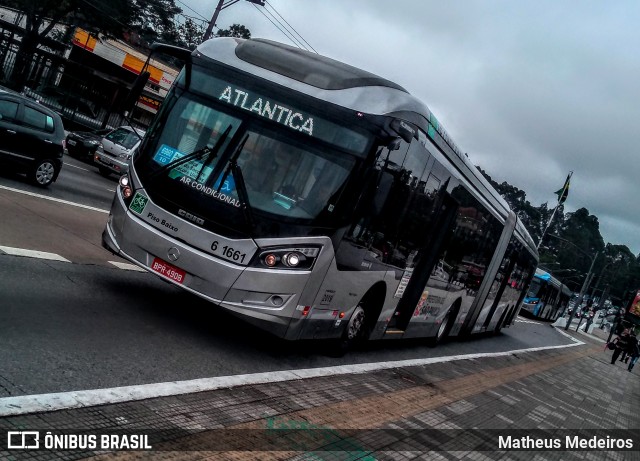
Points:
(530, 90)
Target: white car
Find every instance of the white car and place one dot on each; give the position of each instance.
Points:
(115, 151)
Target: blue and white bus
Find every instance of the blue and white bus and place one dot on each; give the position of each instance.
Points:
(547, 297)
(317, 201)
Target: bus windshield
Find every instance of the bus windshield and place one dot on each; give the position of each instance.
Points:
(194, 160)
(534, 288)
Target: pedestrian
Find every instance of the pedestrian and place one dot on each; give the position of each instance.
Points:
(634, 352)
(626, 354)
(590, 317)
(621, 344)
(617, 324)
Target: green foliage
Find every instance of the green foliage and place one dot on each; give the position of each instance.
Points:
(616, 270)
(191, 34)
(236, 30)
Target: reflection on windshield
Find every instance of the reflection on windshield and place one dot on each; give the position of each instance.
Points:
(287, 180)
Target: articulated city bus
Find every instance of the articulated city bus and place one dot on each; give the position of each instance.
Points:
(317, 201)
(546, 297)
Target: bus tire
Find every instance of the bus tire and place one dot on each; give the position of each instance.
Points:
(444, 328)
(353, 332)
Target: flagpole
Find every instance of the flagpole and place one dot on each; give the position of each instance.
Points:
(547, 226)
(564, 190)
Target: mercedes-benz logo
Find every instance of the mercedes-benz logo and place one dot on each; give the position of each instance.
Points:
(173, 253)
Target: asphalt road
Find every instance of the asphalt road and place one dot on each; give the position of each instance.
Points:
(87, 324)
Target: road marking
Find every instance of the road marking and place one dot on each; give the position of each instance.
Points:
(33, 254)
(55, 257)
(75, 166)
(528, 321)
(66, 202)
(25, 404)
(127, 266)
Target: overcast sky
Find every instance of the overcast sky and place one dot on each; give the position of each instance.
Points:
(529, 89)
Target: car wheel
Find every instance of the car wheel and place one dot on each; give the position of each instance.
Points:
(43, 173)
(104, 171)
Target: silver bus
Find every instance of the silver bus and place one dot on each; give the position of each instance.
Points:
(317, 201)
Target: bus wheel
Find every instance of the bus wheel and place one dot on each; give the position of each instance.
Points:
(353, 332)
(443, 330)
(355, 328)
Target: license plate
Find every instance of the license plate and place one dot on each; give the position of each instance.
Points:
(71, 142)
(168, 270)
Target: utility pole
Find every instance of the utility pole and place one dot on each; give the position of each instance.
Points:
(221, 6)
(584, 288)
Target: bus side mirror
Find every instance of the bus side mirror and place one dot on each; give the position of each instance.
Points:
(403, 129)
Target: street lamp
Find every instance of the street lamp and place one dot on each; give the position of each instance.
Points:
(587, 279)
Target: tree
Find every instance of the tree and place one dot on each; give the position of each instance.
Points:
(617, 270)
(190, 33)
(112, 18)
(236, 30)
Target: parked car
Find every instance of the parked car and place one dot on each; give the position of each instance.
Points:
(31, 138)
(83, 144)
(117, 147)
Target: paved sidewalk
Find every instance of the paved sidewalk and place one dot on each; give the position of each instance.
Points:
(456, 410)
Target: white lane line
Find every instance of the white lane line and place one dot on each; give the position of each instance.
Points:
(33, 254)
(66, 202)
(127, 266)
(25, 404)
(75, 166)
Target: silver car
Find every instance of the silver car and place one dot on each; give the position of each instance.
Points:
(115, 151)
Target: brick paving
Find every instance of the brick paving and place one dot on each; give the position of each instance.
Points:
(442, 411)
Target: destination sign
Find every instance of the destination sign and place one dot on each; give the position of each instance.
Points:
(284, 112)
(268, 109)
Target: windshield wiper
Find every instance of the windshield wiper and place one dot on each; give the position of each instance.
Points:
(236, 172)
(213, 153)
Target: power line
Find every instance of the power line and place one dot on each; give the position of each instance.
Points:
(182, 3)
(290, 26)
(297, 42)
(288, 35)
(109, 15)
(193, 18)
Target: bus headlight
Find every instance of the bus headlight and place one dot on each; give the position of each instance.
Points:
(125, 188)
(292, 259)
(271, 260)
(300, 258)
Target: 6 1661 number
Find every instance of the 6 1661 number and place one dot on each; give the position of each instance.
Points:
(228, 252)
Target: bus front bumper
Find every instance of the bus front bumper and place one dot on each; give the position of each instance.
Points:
(244, 291)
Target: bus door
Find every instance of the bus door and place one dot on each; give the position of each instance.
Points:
(427, 257)
(505, 271)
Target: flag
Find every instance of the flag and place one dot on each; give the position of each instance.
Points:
(564, 192)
